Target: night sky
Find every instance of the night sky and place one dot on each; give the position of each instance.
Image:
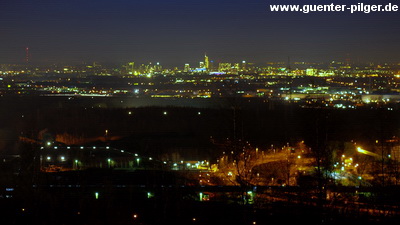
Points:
(174, 32)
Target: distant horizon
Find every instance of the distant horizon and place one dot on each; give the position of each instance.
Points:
(219, 58)
(194, 63)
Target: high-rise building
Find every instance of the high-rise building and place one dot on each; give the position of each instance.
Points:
(236, 66)
(157, 67)
(130, 68)
(225, 67)
(186, 68)
(206, 62)
(244, 65)
(311, 72)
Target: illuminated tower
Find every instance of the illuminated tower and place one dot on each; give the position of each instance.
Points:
(27, 54)
(206, 62)
(158, 67)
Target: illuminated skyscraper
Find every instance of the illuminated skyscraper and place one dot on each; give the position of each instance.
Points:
(224, 67)
(186, 68)
(237, 66)
(130, 68)
(311, 72)
(206, 62)
(157, 67)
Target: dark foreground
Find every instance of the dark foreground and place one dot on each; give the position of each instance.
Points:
(99, 197)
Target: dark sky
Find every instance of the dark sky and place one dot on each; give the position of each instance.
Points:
(181, 31)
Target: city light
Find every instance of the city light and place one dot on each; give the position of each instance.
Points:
(363, 151)
(199, 112)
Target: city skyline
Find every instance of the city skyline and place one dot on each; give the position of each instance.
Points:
(180, 31)
(200, 61)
